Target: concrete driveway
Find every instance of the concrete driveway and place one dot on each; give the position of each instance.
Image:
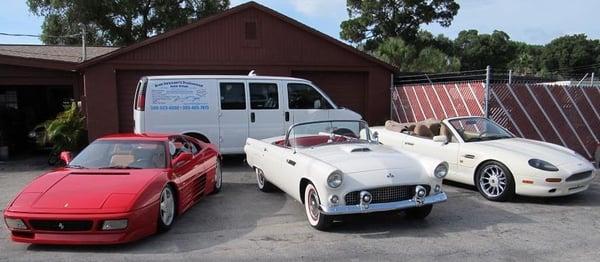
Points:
(242, 223)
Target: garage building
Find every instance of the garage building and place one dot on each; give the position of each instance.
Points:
(244, 38)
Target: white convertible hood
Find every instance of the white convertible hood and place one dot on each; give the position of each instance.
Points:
(352, 158)
(556, 155)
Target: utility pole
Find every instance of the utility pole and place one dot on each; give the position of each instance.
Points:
(510, 76)
(592, 80)
(488, 75)
(83, 49)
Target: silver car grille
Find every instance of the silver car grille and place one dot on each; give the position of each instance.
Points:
(384, 194)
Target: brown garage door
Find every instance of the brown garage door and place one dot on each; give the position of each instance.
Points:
(346, 89)
(126, 84)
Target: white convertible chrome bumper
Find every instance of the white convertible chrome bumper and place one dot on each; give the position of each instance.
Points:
(380, 207)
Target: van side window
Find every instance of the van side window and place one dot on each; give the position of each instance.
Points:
(264, 96)
(303, 96)
(233, 96)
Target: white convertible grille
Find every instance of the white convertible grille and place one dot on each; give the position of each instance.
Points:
(384, 194)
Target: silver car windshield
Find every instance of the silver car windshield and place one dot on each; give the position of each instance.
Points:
(479, 129)
(319, 133)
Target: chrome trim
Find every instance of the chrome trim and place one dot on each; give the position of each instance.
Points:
(358, 209)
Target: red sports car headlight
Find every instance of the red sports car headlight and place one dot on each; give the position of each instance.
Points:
(114, 224)
(15, 223)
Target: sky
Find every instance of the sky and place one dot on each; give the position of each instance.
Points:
(530, 21)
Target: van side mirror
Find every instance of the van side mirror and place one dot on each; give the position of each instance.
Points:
(181, 159)
(442, 139)
(66, 157)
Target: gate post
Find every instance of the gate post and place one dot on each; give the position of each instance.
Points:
(488, 74)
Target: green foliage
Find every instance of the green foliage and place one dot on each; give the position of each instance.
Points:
(373, 21)
(479, 50)
(571, 54)
(409, 58)
(118, 22)
(67, 130)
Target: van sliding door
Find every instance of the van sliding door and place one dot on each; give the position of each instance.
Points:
(266, 111)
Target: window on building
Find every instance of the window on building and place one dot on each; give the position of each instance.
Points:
(264, 96)
(9, 99)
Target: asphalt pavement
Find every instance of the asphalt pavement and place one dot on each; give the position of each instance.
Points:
(242, 223)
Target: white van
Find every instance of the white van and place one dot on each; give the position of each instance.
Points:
(225, 110)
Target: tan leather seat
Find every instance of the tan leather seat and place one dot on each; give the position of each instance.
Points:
(423, 130)
(435, 129)
(121, 160)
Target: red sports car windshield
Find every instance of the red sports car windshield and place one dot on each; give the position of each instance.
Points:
(119, 154)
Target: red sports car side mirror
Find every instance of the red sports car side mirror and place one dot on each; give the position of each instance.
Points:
(66, 157)
(182, 158)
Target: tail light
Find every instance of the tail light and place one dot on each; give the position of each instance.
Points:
(140, 98)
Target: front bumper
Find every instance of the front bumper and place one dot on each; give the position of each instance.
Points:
(140, 224)
(381, 207)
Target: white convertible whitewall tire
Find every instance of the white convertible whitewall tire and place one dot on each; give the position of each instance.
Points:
(312, 202)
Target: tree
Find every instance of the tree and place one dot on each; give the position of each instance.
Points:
(476, 51)
(117, 22)
(409, 58)
(570, 55)
(373, 21)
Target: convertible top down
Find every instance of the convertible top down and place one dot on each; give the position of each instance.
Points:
(336, 168)
(483, 153)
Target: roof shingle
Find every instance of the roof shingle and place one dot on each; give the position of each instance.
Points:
(51, 52)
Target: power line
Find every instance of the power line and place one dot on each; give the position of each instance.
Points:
(39, 36)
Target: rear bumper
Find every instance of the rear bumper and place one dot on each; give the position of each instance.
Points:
(381, 207)
(141, 223)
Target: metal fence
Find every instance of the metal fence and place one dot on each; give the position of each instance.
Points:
(559, 114)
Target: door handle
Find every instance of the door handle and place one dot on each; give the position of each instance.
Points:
(252, 117)
(409, 143)
(469, 156)
(291, 162)
(287, 116)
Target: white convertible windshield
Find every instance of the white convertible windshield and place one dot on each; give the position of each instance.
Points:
(478, 129)
(327, 132)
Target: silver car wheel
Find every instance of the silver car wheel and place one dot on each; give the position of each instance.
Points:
(167, 206)
(493, 181)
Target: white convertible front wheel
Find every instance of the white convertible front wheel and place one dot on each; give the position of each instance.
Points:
(312, 204)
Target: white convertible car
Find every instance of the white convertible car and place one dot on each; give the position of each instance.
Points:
(335, 168)
(482, 153)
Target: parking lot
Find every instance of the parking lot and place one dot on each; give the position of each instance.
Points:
(241, 223)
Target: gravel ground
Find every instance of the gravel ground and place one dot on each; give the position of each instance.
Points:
(242, 223)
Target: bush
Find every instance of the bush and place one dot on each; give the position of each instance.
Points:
(67, 131)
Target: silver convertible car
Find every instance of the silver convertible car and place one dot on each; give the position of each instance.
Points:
(336, 168)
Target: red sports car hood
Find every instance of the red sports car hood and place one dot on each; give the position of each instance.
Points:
(84, 191)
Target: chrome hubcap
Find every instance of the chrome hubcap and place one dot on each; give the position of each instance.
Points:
(167, 206)
(313, 204)
(260, 178)
(492, 181)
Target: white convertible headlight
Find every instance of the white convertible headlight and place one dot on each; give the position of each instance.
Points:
(541, 164)
(441, 170)
(335, 179)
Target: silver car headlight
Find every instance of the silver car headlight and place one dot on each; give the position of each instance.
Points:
(441, 170)
(335, 179)
(541, 164)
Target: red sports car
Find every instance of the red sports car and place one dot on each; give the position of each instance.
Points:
(118, 189)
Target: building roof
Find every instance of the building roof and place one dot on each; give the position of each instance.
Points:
(226, 13)
(71, 54)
